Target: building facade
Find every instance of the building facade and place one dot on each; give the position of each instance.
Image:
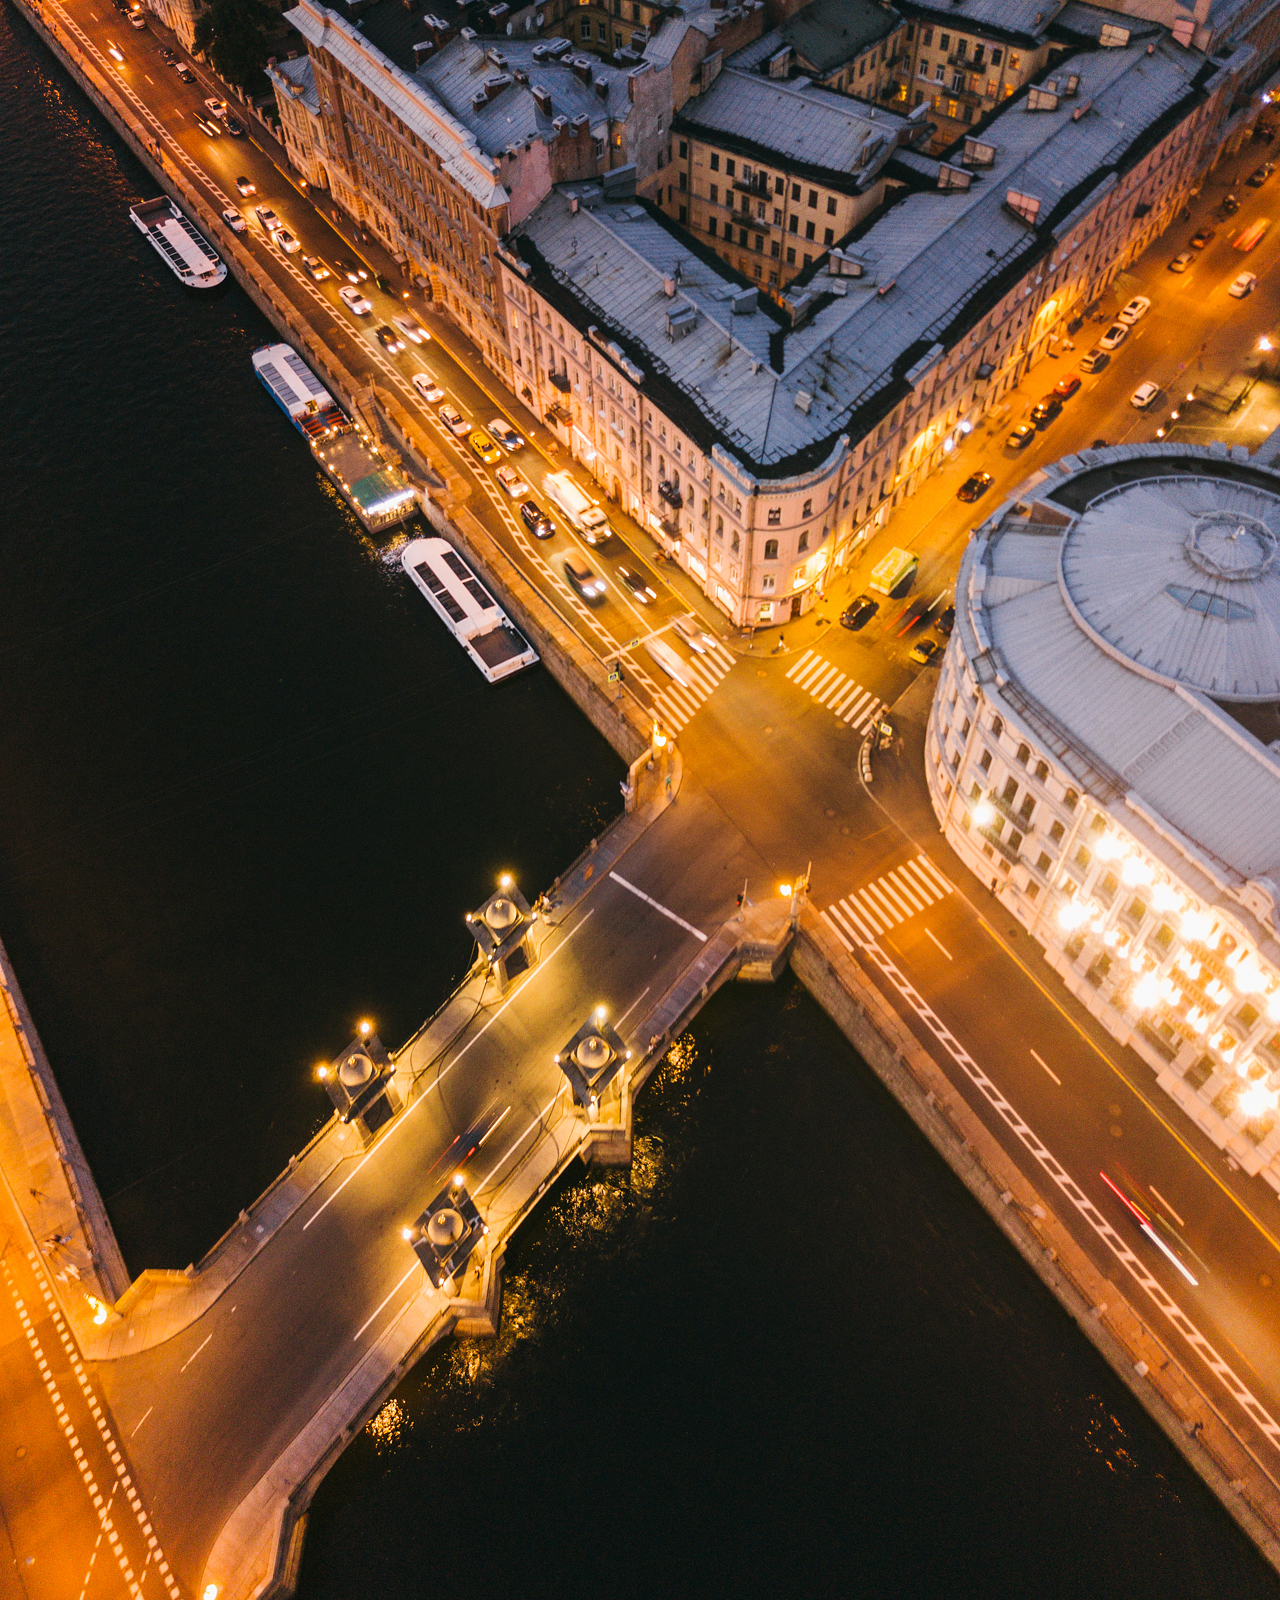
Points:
(963, 66)
(1102, 750)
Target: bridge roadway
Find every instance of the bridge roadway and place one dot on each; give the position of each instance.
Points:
(205, 1413)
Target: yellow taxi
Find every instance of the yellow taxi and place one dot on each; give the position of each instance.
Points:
(484, 447)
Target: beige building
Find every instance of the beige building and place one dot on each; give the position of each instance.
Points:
(301, 125)
(961, 66)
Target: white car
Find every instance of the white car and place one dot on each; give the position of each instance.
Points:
(245, 187)
(137, 20)
(414, 333)
(1134, 311)
(505, 434)
(1144, 395)
(234, 220)
(691, 631)
(218, 108)
(427, 387)
(267, 217)
(512, 482)
(1245, 284)
(670, 662)
(456, 423)
(1115, 335)
(287, 241)
(354, 301)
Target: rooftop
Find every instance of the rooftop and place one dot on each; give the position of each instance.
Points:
(1016, 19)
(300, 82)
(827, 33)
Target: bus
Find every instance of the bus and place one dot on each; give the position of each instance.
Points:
(1253, 235)
(893, 573)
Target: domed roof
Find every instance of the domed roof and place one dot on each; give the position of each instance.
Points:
(1180, 576)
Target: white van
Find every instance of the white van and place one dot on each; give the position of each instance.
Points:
(581, 510)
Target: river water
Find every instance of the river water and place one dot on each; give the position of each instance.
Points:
(249, 786)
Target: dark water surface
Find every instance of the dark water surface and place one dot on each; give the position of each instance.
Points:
(248, 788)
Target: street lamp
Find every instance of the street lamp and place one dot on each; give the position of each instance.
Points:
(984, 813)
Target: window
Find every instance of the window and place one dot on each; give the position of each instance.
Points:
(767, 583)
(940, 71)
(922, 71)
(794, 224)
(791, 258)
(1043, 864)
(831, 205)
(684, 211)
(711, 226)
(985, 761)
(997, 56)
(1056, 833)
(795, 191)
(1015, 61)
(1024, 754)
(997, 727)
(771, 549)
(944, 41)
(715, 166)
(777, 217)
(602, 33)
(775, 516)
(684, 149)
(1071, 799)
(779, 186)
(808, 230)
(730, 168)
(742, 237)
(682, 182)
(803, 545)
(1010, 790)
(828, 236)
(714, 194)
(1042, 770)
(586, 32)
(926, 36)
(813, 198)
(808, 509)
(775, 249)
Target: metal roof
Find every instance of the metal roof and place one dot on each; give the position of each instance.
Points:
(1028, 18)
(298, 71)
(827, 33)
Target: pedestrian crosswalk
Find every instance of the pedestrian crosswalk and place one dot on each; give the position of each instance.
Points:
(861, 917)
(678, 702)
(834, 689)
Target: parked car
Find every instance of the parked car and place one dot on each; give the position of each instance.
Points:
(1114, 337)
(1066, 387)
(505, 434)
(167, 55)
(427, 387)
(1021, 437)
(945, 621)
(288, 242)
(267, 217)
(693, 633)
(245, 187)
(1182, 261)
(926, 651)
(1134, 311)
(1202, 236)
(1045, 410)
(584, 582)
(511, 481)
(859, 612)
(1244, 283)
(137, 19)
(388, 338)
(1144, 395)
(411, 330)
(974, 487)
(456, 423)
(639, 588)
(1230, 206)
(1259, 175)
(234, 220)
(354, 301)
(234, 127)
(483, 448)
(185, 72)
(1094, 360)
(315, 268)
(536, 520)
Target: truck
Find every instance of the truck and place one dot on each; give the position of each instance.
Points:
(893, 573)
(582, 511)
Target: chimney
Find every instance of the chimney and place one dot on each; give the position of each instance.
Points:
(541, 98)
(669, 287)
(581, 68)
(422, 51)
(602, 88)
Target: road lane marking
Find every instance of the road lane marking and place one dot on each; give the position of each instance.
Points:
(632, 1006)
(940, 945)
(1047, 1068)
(414, 1268)
(494, 1127)
(658, 906)
(194, 1353)
(1088, 1211)
(141, 1420)
(537, 1122)
(1166, 1205)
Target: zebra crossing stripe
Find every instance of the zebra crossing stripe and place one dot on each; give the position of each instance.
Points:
(865, 924)
(829, 918)
(795, 667)
(884, 908)
(679, 702)
(933, 874)
(910, 893)
(834, 687)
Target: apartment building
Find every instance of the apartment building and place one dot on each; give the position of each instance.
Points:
(770, 173)
(763, 442)
(845, 45)
(301, 126)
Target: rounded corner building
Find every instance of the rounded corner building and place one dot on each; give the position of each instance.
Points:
(1104, 751)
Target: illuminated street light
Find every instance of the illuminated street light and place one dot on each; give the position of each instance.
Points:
(1256, 1099)
(366, 1028)
(784, 889)
(1265, 344)
(505, 881)
(983, 813)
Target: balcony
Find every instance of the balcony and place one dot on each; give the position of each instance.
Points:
(558, 380)
(761, 187)
(1002, 845)
(670, 493)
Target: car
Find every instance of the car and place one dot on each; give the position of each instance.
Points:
(456, 423)
(1021, 437)
(388, 338)
(1202, 236)
(1094, 360)
(511, 481)
(137, 20)
(234, 220)
(115, 52)
(168, 55)
(974, 487)
(693, 633)
(1066, 387)
(584, 582)
(288, 242)
(411, 330)
(267, 217)
(505, 434)
(1143, 395)
(234, 128)
(1182, 261)
(1114, 337)
(945, 621)
(211, 130)
(352, 271)
(1045, 410)
(1244, 283)
(1230, 205)
(1134, 311)
(427, 387)
(536, 520)
(217, 107)
(926, 651)
(1259, 175)
(483, 448)
(185, 72)
(859, 612)
(245, 187)
(912, 616)
(315, 268)
(639, 588)
(354, 301)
